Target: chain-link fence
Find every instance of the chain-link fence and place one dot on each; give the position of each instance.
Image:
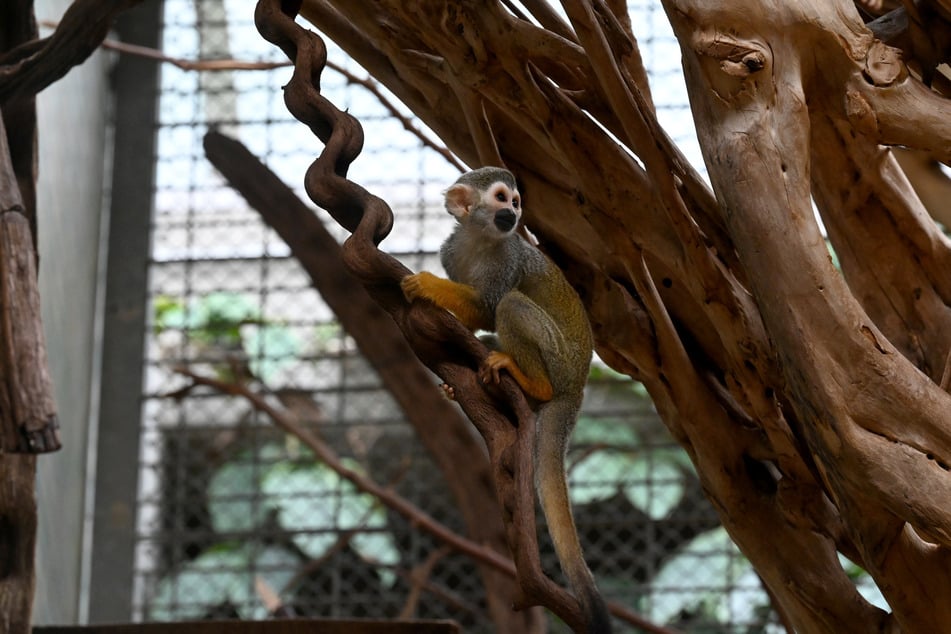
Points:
(232, 512)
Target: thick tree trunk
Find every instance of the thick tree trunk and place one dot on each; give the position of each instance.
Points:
(27, 415)
(856, 352)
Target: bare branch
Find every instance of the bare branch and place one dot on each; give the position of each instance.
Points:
(37, 64)
(326, 455)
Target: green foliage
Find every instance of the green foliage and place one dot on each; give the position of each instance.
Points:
(229, 326)
(679, 595)
(220, 576)
(652, 479)
(317, 504)
(306, 499)
(214, 319)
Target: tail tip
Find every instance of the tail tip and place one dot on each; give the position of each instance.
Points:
(596, 613)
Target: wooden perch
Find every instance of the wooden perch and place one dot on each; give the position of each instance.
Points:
(755, 349)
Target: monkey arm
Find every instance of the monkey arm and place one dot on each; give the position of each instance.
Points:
(461, 300)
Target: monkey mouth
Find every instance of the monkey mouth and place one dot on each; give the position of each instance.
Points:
(505, 219)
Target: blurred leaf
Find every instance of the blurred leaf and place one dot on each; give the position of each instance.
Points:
(169, 313)
(276, 566)
(217, 576)
(678, 589)
(379, 547)
(269, 347)
(316, 504)
(657, 488)
(327, 336)
(652, 482)
(598, 476)
(233, 497)
(219, 316)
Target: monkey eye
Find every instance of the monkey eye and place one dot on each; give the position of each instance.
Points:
(500, 197)
(516, 202)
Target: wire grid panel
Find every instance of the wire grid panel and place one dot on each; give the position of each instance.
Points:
(232, 512)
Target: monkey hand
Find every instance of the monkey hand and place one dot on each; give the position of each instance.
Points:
(416, 285)
(490, 371)
(461, 300)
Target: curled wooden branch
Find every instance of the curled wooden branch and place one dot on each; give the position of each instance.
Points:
(506, 424)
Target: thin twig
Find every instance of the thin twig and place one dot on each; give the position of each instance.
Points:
(328, 456)
(236, 64)
(180, 62)
(419, 575)
(374, 89)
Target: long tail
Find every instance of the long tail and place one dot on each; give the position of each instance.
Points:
(555, 422)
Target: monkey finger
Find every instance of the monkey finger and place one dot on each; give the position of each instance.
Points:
(411, 287)
(485, 374)
(448, 391)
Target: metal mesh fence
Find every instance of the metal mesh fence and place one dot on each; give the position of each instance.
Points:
(231, 510)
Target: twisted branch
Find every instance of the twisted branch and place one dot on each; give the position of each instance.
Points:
(502, 417)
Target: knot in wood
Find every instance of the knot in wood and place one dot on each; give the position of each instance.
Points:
(750, 63)
(737, 58)
(883, 65)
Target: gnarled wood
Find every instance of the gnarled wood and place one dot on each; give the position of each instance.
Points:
(812, 401)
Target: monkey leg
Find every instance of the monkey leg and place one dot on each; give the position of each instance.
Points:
(461, 300)
(529, 341)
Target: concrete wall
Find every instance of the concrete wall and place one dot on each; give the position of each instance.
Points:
(72, 140)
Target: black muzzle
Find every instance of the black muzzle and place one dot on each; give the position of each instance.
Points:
(505, 219)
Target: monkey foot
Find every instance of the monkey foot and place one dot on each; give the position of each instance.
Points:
(538, 388)
(448, 391)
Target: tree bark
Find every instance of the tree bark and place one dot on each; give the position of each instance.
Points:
(17, 541)
(18, 519)
(28, 422)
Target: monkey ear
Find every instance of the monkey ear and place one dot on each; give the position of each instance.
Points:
(459, 198)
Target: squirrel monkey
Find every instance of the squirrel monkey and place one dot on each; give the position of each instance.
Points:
(499, 282)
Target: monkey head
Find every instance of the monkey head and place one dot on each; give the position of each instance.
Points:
(486, 199)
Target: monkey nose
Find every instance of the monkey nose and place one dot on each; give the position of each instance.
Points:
(505, 219)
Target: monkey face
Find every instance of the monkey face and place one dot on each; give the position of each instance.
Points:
(486, 200)
(505, 205)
